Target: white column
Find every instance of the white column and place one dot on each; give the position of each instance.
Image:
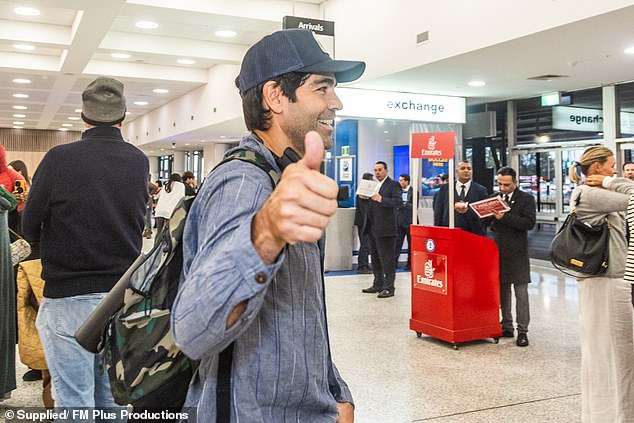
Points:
(214, 153)
(179, 162)
(511, 125)
(154, 169)
(609, 118)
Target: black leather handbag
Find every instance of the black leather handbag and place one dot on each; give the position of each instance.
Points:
(581, 247)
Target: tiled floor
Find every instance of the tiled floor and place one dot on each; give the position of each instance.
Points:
(396, 377)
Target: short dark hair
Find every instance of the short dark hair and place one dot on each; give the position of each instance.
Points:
(404, 176)
(368, 176)
(188, 175)
(382, 163)
(256, 116)
(507, 171)
(623, 168)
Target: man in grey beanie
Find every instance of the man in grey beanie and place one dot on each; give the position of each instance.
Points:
(86, 207)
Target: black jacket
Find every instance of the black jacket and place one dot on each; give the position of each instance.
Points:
(468, 221)
(511, 236)
(381, 216)
(404, 218)
(87, 208)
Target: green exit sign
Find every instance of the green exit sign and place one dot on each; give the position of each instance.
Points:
(551, 99)
(345, 150)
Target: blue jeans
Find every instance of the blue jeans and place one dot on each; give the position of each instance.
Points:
(79, 377)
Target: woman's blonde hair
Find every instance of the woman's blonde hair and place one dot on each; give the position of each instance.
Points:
(596, 154)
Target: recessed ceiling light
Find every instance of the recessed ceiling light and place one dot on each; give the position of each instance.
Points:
(73, 118)
(20, 107)
(477, 83)
(18, 123)
(67, 124)
(162, 149)
(22, 81)
(386, 132)
(27, 11)
(629, 50)
(77, 110)
(380, 120)
(24, 46)
(17, 127)
(226, 33)
(186, 143)
(141, 103)
(20, 95)
(17, 115)
(62, 129)
(160, 90)
(128, 113)
(120, 55)
(186, 61)
(146, 25)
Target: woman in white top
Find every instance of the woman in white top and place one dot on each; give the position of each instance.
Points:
(169, 197)
(605, 310)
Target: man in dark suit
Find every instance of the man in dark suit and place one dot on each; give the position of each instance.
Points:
(380, 223)
(404, 219)
(364, 238)
(511, 236)
(467, 191)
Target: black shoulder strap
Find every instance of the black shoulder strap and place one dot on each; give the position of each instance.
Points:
(225, 359)
(254, 158)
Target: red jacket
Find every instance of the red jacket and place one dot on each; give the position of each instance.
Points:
(8, 176)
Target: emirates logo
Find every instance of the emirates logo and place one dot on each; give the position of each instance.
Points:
(429, 269)
(431, 144)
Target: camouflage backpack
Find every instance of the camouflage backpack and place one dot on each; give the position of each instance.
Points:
(145, 367)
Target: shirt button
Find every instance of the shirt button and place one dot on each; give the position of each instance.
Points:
(260, 277)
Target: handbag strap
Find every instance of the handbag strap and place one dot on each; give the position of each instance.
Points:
(16, 234)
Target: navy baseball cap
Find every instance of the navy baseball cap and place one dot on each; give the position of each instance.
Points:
(291, 50)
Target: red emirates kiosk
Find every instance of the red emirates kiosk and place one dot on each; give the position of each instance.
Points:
(455, 274)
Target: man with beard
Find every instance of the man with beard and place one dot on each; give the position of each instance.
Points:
(252, 276)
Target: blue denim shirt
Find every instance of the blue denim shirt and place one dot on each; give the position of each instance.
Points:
(281, 357)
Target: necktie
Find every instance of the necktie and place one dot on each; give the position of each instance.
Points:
(462, 192)
(506, 198)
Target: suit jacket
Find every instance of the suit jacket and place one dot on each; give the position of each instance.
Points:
(468, 221)
(404, 217)
(381, 217)
(511, 237)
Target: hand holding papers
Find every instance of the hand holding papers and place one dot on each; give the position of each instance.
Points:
(488, 207)
(366, 188)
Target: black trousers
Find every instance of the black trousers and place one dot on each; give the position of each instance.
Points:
(364, 249)
(383, 264)
(402, 233)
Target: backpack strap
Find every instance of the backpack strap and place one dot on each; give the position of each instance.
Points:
(225, 358)
(254, 158)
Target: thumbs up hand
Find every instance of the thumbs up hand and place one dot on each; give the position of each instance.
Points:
(300, 208)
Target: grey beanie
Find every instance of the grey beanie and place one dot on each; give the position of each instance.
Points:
(104, 103)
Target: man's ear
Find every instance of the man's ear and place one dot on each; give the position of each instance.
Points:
(272, 96)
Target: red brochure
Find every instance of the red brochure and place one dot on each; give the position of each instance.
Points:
(485, 208)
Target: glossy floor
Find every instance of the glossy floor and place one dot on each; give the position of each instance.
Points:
(396, 377)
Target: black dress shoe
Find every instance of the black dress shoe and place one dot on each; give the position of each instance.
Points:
(364, 271)
(522, 340)
(371, 290)
(385, 294)
(508, 334)
(32, 375)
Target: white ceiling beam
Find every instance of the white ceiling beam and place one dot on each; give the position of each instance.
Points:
(29, 62)
(124, 41)
(89, 29)
(142, 71)
(42, 34)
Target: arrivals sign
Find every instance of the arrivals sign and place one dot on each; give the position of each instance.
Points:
(433, 145)
(429, 272)
(403, 106)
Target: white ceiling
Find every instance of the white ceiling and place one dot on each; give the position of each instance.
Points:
(74, 40)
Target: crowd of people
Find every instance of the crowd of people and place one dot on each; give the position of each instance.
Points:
(247, 231)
